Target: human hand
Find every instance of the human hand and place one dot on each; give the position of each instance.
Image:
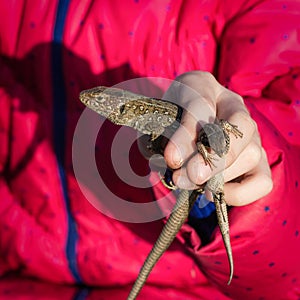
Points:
(247, 175)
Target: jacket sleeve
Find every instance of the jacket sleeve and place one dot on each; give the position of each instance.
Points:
(259, 59)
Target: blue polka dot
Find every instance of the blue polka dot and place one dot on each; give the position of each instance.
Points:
(72, 83)
(284, 6)
(271, 264)
(297, 101)
(102, 56)
(284, 222)
(227, 79)
(294, 280)
(136, 1)
(32, 25)
(130, 33)
(101, 26)
(136, 241)
(226, 293)
(297, 233)
(267, 208)
(218, 262)
(252, 40)
(255, 252)
(81, 22)
(249, 289)
(206, 18)
(284, 274)
(295, 76)
(290, 133)
(296, 183)
(168, 7)
(237, 236)
(285, 36)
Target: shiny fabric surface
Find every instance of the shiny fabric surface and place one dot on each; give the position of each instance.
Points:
(49, 52)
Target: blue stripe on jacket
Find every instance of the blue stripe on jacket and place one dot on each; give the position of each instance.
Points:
(59, 129)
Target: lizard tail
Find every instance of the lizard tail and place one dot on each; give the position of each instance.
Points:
(166, 237)
(222, 216)
(229, 255)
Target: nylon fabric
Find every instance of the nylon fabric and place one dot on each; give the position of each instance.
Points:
(106, 42)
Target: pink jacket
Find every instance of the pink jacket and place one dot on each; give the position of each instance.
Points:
(49, 52)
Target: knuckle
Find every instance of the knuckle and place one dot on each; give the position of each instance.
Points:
(188, 77)
(243, 117)
(254, 154)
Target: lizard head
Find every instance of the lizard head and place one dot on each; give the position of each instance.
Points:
(148, 115)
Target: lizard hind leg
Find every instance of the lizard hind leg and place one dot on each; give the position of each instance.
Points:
(222, 216)
(170, 185)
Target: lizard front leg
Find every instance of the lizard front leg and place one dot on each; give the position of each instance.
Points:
(208, 157)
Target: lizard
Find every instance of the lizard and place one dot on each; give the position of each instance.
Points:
(152, 116)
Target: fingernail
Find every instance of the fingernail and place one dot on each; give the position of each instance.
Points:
(177, 158)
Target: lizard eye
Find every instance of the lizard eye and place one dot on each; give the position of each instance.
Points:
(122, 108)
(204, 140)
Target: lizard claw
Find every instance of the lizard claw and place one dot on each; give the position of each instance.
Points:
(170, 185)
(208, 157)
(230, 128)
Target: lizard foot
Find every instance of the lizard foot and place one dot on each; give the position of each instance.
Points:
(170, 185)
(230, 128)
